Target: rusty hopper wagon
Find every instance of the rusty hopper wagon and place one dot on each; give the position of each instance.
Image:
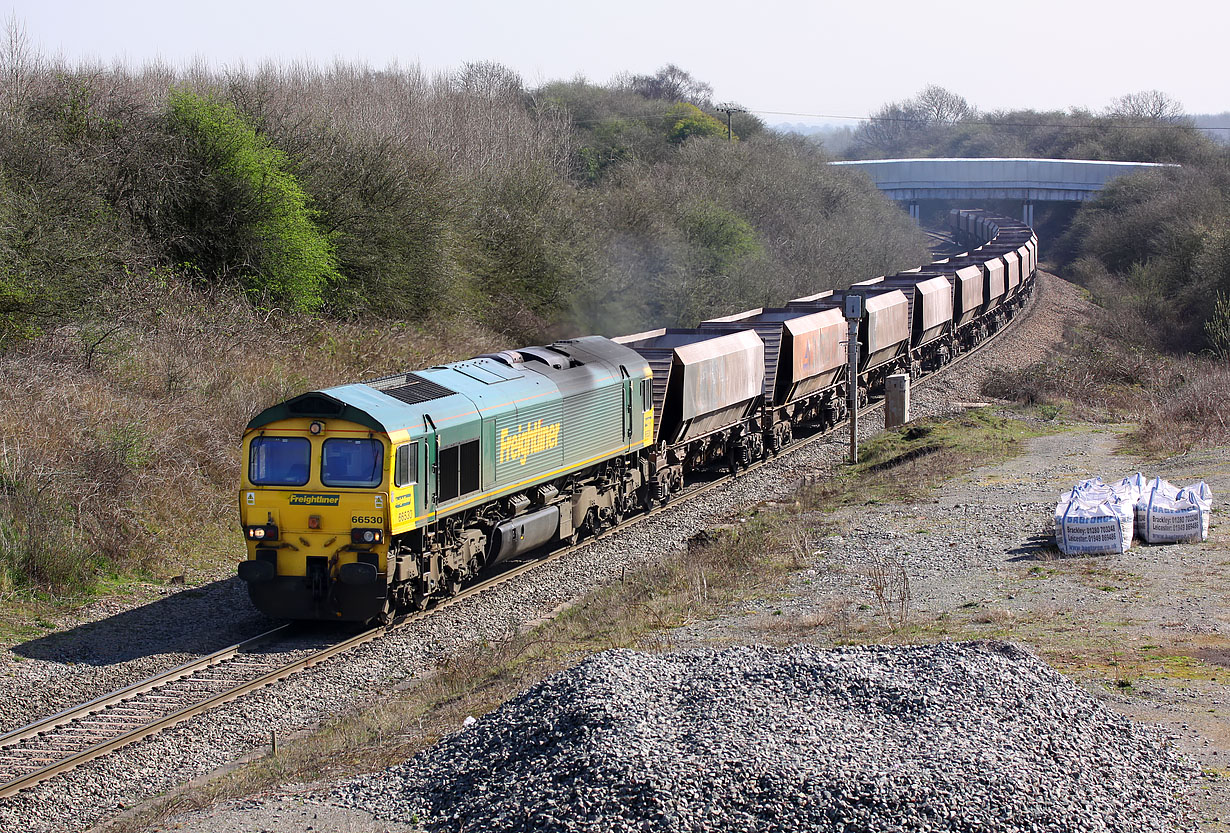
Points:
(707, 389)
(805, 358)
(883, 331)
(968, 282)
(929, 307)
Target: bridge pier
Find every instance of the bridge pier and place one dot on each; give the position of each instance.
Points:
(1027, 213)
(914, 213)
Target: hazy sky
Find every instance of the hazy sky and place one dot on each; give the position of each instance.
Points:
(833, 58)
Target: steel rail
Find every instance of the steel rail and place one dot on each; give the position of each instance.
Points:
(68, 716)
(140, 687)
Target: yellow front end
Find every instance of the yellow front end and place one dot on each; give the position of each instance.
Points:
(314, 508)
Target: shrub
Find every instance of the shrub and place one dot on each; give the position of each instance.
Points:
(687, 120)
(275, 245)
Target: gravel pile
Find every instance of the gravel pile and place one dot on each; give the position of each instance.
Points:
(963, 737)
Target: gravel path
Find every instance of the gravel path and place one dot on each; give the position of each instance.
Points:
(958, 737)
(45, 675)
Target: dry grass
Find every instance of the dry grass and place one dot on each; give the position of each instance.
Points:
(890, 586)
(998, 616)
(905, 465)
(1177, 402)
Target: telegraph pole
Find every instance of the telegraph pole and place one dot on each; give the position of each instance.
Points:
(728, 109)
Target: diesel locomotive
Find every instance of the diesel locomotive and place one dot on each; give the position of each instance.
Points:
(363, 500)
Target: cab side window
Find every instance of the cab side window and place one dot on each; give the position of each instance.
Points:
(406, 467)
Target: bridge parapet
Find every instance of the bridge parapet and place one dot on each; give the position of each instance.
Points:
(1028, 180)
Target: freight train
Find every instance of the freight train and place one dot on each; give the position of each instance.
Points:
(365, 500)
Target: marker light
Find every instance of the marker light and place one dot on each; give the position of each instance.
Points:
(316, 427)
(260, 533)
(366, 536)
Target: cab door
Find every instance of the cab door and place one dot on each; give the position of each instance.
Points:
(430, 468)
(626, 384)
(409, 485)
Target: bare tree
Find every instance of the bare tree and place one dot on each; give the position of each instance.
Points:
(19, 64)
(490, 80)
(1147, 105)
(940, 106)
(671, 83)
(891, 128)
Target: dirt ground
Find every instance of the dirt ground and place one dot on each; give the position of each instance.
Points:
(1146, 632)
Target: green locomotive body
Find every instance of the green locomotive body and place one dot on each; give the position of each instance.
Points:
(458, 467)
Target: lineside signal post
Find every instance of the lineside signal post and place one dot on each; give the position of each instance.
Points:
(854, 314)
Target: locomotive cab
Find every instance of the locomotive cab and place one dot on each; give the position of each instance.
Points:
(316, 503)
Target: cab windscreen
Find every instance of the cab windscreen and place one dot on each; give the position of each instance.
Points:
(279, 461)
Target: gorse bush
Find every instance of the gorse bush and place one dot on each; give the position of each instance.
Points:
(275, 245)
(688, 120)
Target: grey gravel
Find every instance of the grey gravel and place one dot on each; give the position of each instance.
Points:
(952, 737)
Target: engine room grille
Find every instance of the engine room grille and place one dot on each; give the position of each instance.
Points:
(409, 388)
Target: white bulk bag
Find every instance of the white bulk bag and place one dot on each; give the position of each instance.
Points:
(1132, 487)
(1157, 484)
(1202, 493)
(1168, 514)
(1089, 491)
(1086, 527)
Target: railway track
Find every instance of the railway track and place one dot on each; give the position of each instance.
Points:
(56, 744)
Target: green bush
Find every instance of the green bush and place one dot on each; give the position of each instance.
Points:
(687, 120)
(276, 245)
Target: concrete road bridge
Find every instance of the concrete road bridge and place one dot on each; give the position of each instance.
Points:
(1028, 180)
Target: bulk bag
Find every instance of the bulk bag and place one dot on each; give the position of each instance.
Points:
(1087, 527)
